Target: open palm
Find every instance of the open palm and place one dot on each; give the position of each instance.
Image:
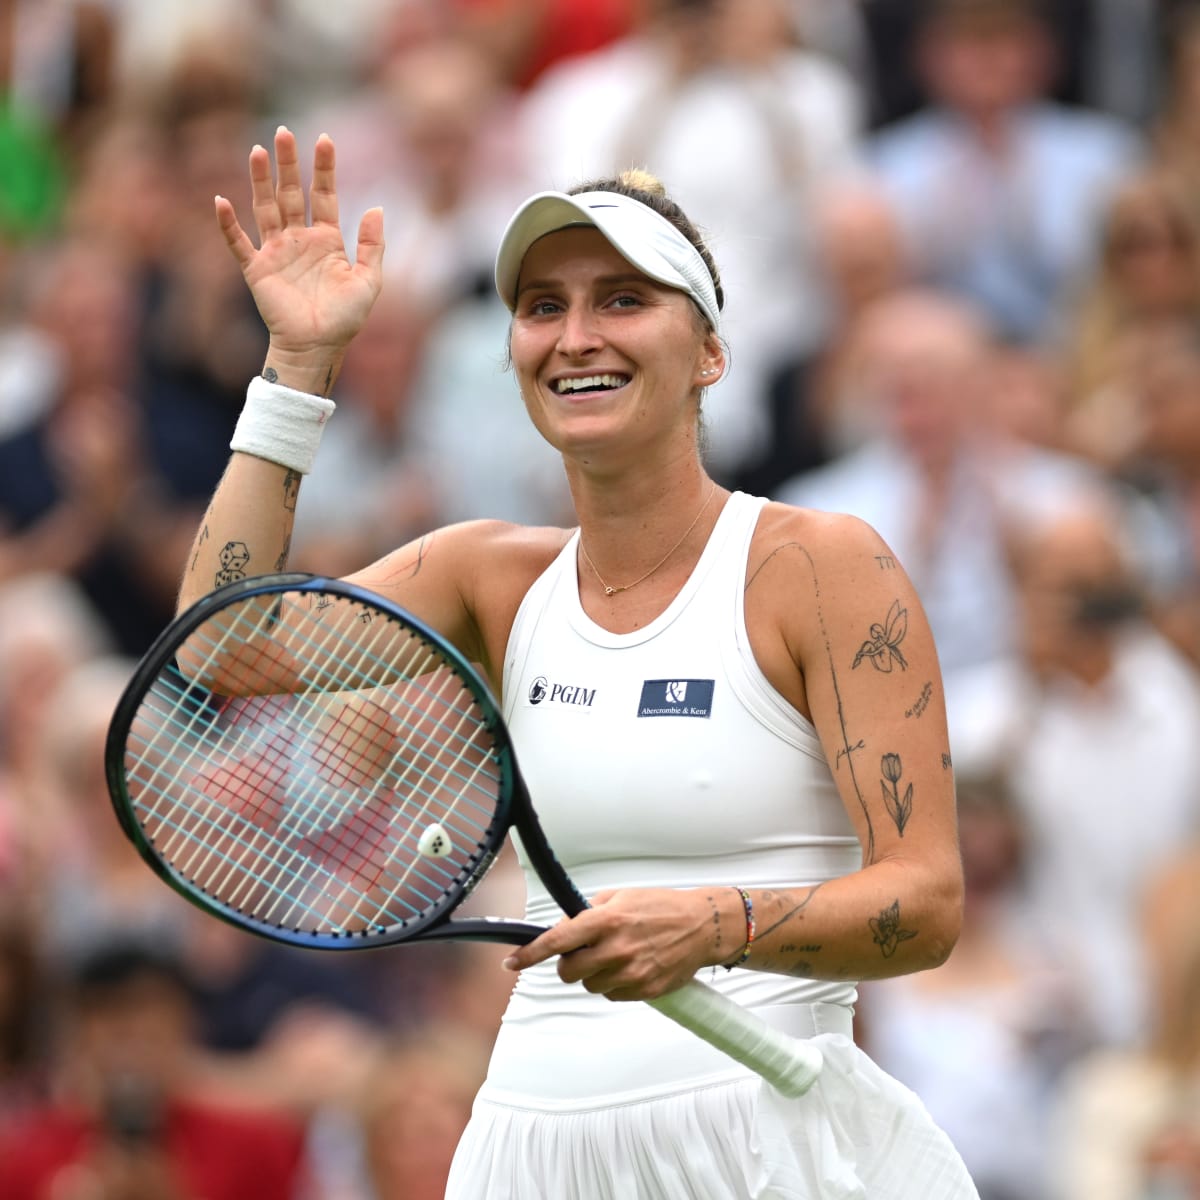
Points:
(312, 298)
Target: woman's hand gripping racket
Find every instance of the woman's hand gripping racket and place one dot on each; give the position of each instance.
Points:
(303, 759)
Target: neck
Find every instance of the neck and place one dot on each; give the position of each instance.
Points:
(639, 529)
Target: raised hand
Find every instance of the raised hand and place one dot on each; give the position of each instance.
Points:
(312, 298)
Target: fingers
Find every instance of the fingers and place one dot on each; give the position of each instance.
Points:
(235, 236)
(370, 243)
(289, 190)
(323, 193)
(559, 939)
(262, 195)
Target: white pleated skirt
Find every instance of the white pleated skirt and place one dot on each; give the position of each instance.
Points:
(857, 1134)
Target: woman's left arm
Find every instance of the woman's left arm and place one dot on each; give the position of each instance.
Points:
(838, 628)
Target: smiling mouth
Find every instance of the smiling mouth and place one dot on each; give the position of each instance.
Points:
(589, 384)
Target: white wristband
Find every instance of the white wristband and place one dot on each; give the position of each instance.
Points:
(282, 425)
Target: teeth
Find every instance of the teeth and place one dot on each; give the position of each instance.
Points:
(590, 381)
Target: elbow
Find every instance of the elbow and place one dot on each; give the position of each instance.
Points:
(945, 920)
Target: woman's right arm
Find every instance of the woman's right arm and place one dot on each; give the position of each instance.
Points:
(313, 300)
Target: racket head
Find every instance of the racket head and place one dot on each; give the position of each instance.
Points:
(340, 779)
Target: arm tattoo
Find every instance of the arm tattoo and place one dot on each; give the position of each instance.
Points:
(281, 561)
(234, 558)
(886, 931)
(270, 374)
(412, 567)
(291, 489)
(899, 807)
(716, 922)
(922, 701)
(883, 646)
(204, 536)
(790, 964)
(847, 748)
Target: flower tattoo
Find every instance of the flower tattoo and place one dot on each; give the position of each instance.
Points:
(899, 807)
(886, 930)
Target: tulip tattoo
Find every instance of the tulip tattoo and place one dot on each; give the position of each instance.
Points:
(899, 807)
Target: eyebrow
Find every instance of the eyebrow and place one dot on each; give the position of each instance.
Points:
(603, 280)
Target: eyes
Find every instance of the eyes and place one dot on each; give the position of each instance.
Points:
(545, 306)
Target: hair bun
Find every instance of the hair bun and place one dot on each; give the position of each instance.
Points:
(639, 179)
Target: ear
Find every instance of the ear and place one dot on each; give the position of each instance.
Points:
(710, 366)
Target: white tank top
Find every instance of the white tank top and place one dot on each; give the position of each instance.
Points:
(658, 758)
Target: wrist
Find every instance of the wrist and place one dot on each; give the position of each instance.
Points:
(281, 424)
(744, 926)
(313, 370)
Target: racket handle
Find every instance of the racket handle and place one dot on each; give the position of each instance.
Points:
(789, 1064)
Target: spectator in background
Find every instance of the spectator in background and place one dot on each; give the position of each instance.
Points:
(1147, 279)
(816, 413)
(527, 37)
(126, 1123)
(942, 483)
(197, 330)
(414, 1107)
(1095, 730)
(1128, 1125)
(728, 75)
(1175, 127)
(999, 189)
(47, 630)
(1165, 462)
(76, 477)
(94, 888)
(1106, 53)
(23, 1025)
(55, 72)
(984, 1038)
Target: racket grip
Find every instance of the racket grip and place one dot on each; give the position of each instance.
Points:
(791, 1065)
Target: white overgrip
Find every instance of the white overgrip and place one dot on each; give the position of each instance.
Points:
(789, 1064)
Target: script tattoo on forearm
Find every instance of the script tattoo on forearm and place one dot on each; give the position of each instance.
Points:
(234, 559)
(281, 561)
(886, 931)
(882, 648)
(785, 959)
(899, 807)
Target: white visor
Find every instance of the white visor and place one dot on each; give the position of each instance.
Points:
(648, 241)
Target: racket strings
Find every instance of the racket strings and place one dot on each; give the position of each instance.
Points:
(307, 808)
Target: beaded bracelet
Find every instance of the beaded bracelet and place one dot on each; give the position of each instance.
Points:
(748, 905)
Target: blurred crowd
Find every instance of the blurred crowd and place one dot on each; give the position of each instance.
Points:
(961, 245)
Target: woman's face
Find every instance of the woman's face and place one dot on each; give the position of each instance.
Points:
(1153, 256)
(604, 355)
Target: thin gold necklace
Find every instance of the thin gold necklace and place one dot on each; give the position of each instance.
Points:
(612, 591)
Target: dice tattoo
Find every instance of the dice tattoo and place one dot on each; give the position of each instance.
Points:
(234, 558)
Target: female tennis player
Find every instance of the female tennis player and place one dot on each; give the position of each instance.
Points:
(729, 713)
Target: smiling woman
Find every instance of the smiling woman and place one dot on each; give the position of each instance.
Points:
(678, 676)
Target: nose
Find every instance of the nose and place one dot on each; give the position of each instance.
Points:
(579, 332)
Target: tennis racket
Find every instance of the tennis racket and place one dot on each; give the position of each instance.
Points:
(301, 758)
